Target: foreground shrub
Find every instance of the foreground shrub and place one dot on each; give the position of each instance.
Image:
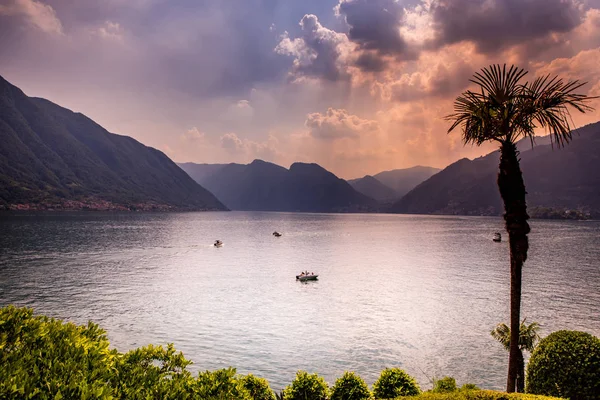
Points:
(306, 386)
(469, 386)
(394, 382)
(566, 364)
(445, 385)
(152, 372)
(350, 387)
(258, 388)
(43, 358)
(222, 384)
(477, 395)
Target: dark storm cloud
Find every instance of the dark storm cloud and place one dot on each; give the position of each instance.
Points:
(374, 24)
(496, 24)
(370, 62)
(203, 48)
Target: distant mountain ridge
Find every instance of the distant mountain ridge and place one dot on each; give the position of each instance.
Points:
(404, 180)
(51, 157)
(370, 186)
(556, 180)
(264, 186)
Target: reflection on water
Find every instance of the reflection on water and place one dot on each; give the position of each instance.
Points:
(418, 292)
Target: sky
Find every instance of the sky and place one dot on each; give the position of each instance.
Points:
(358, 86)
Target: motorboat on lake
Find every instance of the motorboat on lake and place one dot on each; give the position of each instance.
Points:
(218, 243)
(307, 276)
(276, 234)
(497, 237)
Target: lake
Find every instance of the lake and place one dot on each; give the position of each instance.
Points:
(417, 292)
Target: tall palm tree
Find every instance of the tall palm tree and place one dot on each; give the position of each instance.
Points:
(528, 337)
(505, 110)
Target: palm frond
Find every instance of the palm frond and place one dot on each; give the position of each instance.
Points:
(502, 334)
(528, 335)
(503, 109)
(547, 100)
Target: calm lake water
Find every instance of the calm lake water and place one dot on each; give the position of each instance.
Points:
(417, 292)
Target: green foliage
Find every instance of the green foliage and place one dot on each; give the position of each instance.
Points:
(566, 364)
(528, 335)
(476, 395)
(306, 386)
(394, 382)
(222, 384)
(469, 386)
(444, 385)
(44, 358)
(258, 388)
(152, 372)
(350, 387)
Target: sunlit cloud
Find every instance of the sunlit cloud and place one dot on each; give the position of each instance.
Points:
(36, 13)
(358, 86)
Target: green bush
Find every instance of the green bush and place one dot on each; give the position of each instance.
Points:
(394, 382)
(43, 358)
(445, 385)
(477, 395)
(469, 386)
(222, 384)
(152, 372)
(566, 364)
(350, 387)
(258, 388)
(306, 386)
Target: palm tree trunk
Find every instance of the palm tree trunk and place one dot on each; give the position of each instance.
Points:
(512, 191)
(521, 374)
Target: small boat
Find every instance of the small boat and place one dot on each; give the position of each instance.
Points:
(276, 234)
(218, 243)
(306, 276)
(497, 237)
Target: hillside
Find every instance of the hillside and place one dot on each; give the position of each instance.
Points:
(201, 172)
(263, 186)
(556, 180)
(52, 157)
(370, 186)
(404, 180)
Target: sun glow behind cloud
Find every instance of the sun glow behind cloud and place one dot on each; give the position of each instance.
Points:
(358, 86)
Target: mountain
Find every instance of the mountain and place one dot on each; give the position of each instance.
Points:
(263, 186)
(370, 186)
(403, 181)
(556, 180)
(200, 172)
(52, 157)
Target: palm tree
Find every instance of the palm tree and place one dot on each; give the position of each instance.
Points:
(528, 337)
(505, 110)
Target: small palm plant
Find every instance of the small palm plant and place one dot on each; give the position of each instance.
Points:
(528, 337)
(504, 110)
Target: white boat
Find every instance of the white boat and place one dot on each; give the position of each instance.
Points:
(307, 277)
(276, 234)
(497, 237)
(218, 243)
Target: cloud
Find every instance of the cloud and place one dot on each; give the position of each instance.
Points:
(318, 53)
(109, 31)
(193, 135)
(246, 150)
(496, 24)
(231, 142)
(37, 14)
(374, 24)
(338, 124)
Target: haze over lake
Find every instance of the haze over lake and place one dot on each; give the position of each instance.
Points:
(418, 292)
